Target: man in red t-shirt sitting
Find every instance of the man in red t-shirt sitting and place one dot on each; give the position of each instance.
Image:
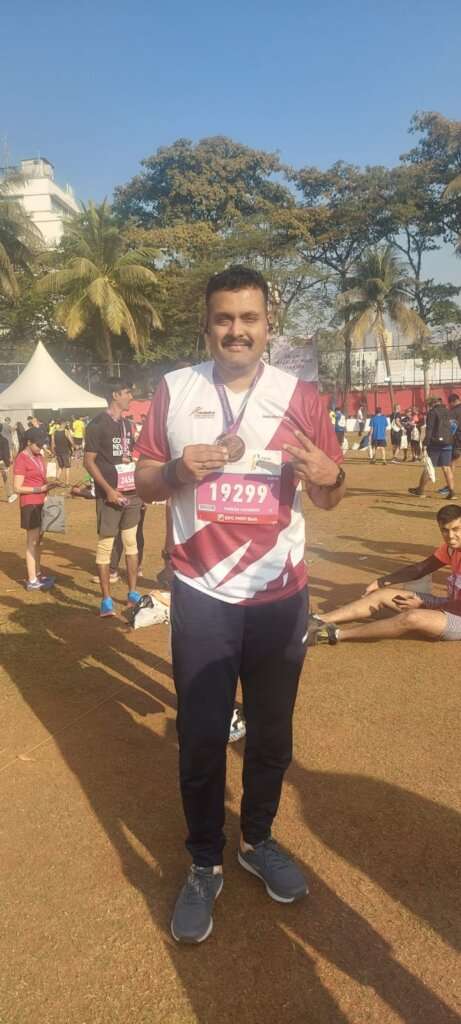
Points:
(31, 484)
(438, 618)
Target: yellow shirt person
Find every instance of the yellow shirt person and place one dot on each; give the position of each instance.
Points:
(78, 432)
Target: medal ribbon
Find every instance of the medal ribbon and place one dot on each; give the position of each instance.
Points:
(231, 424)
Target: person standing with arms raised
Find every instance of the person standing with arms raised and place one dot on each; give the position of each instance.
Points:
(229, 442)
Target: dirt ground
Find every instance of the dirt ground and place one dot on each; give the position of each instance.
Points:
(91, 825)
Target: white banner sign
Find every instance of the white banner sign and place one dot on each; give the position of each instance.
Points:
(297, 357)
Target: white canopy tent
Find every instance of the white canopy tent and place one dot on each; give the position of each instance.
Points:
(43, 385)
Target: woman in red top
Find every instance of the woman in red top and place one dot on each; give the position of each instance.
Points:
(31, 485)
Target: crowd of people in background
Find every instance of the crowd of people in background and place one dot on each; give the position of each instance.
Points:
(432, 437)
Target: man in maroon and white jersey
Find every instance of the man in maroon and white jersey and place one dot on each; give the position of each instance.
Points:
(231, 442)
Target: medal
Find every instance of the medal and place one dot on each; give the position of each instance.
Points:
(234, 445)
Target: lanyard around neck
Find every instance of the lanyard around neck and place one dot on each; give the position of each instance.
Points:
(38, 465)
(232, 423)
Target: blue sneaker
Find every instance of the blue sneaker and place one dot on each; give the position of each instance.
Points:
(47, 582)
(133, 597)
(106, 607)
(41, 583)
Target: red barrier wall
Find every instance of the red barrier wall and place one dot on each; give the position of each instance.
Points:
(404, 396)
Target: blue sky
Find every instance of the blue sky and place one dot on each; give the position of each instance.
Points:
(98, 86)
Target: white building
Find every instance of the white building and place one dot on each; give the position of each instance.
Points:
(47, 203)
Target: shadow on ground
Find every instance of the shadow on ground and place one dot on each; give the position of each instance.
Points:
(262, 957)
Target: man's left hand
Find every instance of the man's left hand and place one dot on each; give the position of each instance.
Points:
(310, 464)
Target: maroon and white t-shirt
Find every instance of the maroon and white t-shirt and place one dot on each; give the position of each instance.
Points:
(240, 563)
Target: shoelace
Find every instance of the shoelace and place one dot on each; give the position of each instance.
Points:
(199, 886)
(274, 856)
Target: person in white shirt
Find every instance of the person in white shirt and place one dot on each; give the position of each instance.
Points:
(230, 442)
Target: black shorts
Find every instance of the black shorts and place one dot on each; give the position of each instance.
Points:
(110, 519)
(78, 441)
(378, 444)
(63, 460)
(31, 516)
(396, 438)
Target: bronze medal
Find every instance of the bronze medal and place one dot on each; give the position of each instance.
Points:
(235, 446)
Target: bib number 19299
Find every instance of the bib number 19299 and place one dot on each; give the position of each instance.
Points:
(238, 493)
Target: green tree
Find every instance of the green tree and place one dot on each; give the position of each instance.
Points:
(439, 149)
(342, 214)
(214, 181)
(186, 254)
(105, 287)
(20, 241)
(380, 291)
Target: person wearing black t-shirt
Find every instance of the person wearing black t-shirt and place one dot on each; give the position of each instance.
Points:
(108, 459)
(62, 448)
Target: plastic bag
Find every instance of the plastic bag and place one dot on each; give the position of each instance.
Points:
(149, 611)
(429, 467)
(53, 515)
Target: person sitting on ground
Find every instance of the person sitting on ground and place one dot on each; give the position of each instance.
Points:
(436, 618)
(438, 441)
(378, 427)
(31, 484)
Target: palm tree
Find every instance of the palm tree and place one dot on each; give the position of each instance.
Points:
(104, 286)
(20, 240)
(380, 291)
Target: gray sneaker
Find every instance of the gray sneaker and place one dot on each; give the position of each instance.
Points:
(192, 919)
(282, 878)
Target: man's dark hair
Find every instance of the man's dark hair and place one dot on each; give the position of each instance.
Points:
(116, 384)
(453, 398)
(433, 401)
(378, 409)
(448, 513)
(234, 279)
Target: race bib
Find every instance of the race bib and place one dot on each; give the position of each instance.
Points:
(125, 476)
(247, 491)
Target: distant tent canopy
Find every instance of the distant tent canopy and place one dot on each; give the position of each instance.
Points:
(43, 385)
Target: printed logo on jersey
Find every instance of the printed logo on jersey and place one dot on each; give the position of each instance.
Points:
(203, 414)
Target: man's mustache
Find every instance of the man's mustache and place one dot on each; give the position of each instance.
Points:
(238, 341)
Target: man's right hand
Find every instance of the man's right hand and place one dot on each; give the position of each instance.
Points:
(114, 497)
(198, 460)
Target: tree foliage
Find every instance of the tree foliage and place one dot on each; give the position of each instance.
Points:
(214, 181)
(19, 240)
